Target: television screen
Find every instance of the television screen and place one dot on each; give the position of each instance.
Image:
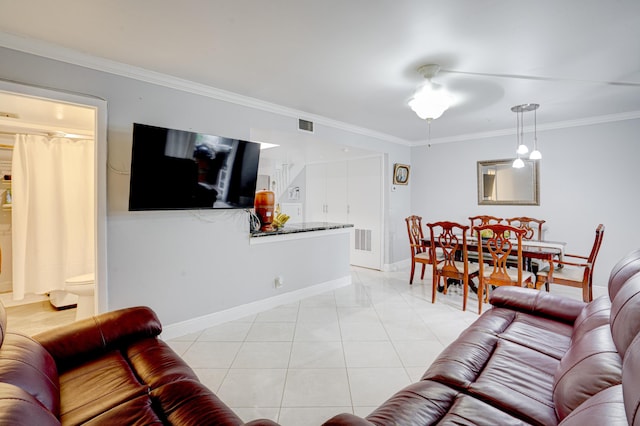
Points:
(175, 169)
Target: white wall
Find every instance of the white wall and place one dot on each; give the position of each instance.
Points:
(184, 264)
(588, 175)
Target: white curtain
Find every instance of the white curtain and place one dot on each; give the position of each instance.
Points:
(53, 212)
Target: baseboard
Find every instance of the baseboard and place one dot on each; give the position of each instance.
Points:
(392, 267)
(200, 323)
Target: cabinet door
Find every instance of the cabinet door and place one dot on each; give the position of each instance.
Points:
(315, 193)
(336, 184)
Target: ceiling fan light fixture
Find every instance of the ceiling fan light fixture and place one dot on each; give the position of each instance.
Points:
(431, 100)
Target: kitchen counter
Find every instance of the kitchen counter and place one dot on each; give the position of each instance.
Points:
(296, 228)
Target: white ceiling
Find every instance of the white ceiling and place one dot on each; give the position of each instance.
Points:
(355, 61)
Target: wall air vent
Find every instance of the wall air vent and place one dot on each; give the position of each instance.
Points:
(363, 239)
(305, 125)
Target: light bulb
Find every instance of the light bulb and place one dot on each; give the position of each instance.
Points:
(535, 155)
(518, 163)
(522, 149)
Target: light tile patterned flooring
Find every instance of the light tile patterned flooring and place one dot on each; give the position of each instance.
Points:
(346, 350)
(299, 364)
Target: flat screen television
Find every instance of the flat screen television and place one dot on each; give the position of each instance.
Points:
(176, 169)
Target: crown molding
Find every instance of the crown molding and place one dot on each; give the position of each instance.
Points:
(632, 115)
(70, 56)
(55, 52)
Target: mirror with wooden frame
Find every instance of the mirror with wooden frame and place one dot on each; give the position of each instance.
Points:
(500, 183)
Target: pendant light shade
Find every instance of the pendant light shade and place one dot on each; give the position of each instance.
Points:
(431, 100)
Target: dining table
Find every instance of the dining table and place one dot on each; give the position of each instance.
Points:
(543, 250)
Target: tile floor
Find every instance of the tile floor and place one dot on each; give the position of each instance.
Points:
(347, 350)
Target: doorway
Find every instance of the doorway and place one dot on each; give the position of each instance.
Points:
(32, 110)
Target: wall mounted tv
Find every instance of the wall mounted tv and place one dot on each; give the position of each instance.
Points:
(175, 170)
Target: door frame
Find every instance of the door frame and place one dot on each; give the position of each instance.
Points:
(100, 171)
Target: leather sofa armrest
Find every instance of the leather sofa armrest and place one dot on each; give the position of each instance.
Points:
(91, 337)
(537, 302)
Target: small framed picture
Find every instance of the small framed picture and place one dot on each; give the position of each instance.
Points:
(401, 174)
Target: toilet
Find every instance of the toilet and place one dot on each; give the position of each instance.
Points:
(84, 287)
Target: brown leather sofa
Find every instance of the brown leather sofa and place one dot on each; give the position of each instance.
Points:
(534, 358)
(110, 370)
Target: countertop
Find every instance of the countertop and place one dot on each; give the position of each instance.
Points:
(295, 228)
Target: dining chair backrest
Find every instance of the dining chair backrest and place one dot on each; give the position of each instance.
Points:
(414, 229)
(483, 220)
(498, 243)
(420, 252)
(451, 239)
(596, 244)
(531, 225)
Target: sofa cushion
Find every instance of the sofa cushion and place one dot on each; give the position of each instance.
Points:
(630, 382)
(590, 365)
(97, 386)
(460, 363)
(625, 314)
(156, 364)
(72, 344)
(18, 407)
(25, 363)
(624, 269)
(539, 333)
(138, 411)
(604, 408)
(518, 380)
(538, 303)
(188, 402)
(594, 314)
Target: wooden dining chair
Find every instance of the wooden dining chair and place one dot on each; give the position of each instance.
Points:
(451, 239)
(484, 220)
(577, 271)
(479, 221)
(494, 253)
(420, 252)
(531, 225)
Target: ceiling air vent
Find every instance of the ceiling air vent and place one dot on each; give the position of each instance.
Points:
(305, 125)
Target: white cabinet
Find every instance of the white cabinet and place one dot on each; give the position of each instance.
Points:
(349, 191)
(326, 192)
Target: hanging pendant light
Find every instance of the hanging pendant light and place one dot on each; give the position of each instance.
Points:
(522, 148)
(431, 100)
(535, 154)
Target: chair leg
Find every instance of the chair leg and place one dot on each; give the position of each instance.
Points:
(480, 295)
(587, 294)
(413, 268)
(465, 293)
(434, 287)
(422, 274)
